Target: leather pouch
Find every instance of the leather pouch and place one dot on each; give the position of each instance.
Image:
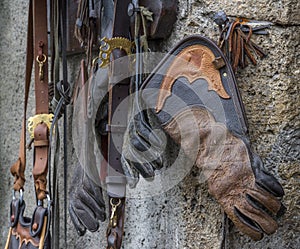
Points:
(25, 232)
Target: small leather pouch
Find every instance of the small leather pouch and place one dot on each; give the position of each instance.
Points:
(25, 232)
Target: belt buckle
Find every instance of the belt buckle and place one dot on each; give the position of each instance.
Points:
(38, 119)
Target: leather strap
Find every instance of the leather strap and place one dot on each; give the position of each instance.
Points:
(37, 48)
(40, 48)
(41, 132)
(118, 91)
(18, 168)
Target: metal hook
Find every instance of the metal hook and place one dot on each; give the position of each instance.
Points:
(21, 196)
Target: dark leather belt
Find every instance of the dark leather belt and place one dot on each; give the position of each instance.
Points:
(118, 109)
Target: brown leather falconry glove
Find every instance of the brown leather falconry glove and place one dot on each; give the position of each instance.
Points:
(235, 175)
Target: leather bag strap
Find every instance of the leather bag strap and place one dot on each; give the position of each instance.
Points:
(37, 54)
(41, 130)
(18, 168)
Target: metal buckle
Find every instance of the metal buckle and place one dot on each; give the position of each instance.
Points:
(38, 119)
(109, 45)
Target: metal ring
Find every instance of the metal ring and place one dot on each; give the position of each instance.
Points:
(21, 196)
(43, 60)
(112, 203)
(49, 200)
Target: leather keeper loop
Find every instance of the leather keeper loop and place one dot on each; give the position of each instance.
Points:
(40, 168)
(41, 143)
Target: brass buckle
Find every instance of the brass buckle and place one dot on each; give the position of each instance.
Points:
(109, 45)
(38, 119)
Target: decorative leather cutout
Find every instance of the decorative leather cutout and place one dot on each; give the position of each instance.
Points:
(193, 62)
(23, 235)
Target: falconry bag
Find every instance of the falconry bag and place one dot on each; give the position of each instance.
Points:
(33, 232)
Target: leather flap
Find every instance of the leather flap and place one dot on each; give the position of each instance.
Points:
(14, 212)
(38, 220)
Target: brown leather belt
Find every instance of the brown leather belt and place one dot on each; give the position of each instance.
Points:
(41, 131)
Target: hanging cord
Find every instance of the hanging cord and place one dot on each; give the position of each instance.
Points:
(52, 53)
(55, 61)
(141, 15)
(56, 58)
(64, 89)
(64, 100)
(59, 102)
(91, 32)
(138, 48)
(82, 22)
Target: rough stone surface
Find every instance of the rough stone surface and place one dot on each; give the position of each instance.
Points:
(185, 216)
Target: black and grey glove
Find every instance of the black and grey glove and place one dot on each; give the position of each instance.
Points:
(87, 206)
(143, 148)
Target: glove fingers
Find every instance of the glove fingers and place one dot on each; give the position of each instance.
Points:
(146, 131)
(260, 217)
(144, 145)
(93, 192)
(139, 143)
(265, 180)
(86, 216)
(269, 183)
(138, 162)
(146, 169)
(246, 225)
(267, 200)
(131, 173)
(147, 155)
(144, 137)
(96, 211)
(78, 225)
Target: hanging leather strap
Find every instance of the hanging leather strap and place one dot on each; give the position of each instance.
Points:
(18, 168)
(41, 130)
(37, 53)
(118, 91)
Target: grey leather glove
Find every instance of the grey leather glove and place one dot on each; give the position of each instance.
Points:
(87, 206)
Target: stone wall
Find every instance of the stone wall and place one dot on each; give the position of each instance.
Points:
(186, 216)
